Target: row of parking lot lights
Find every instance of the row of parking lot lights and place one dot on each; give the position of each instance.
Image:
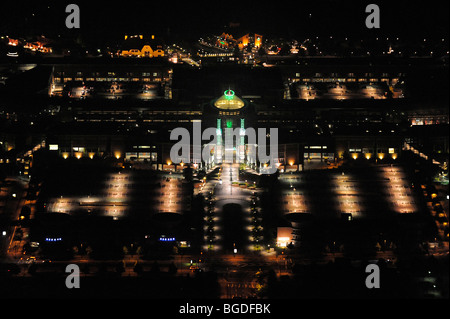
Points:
(256, 226)
(79, 155)
(210, 227)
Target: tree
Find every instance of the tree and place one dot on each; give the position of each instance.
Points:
(155, 267)
(285, 50)
(138, 268)
(120, 268)
(172, 269)
(25, 212)
(88, 250)
(237, 53)
(2, 174)
(32, 269)
(261, 51)
(188, 174)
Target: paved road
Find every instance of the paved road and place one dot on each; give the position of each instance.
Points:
(11, 212)
(232, 207)
(237, 271)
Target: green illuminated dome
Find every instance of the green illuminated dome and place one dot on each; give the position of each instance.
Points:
(229, 101)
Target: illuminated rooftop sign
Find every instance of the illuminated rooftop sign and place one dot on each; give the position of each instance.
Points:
(229, 101)
(229, 94)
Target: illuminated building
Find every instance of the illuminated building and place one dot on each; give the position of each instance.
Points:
(111, 100)
(230, 117)
(142, 81)
(13, 42)
(136, 46)
(229, 101)
(258, 40)
(38, 46)
(227, 41)
(284, 236)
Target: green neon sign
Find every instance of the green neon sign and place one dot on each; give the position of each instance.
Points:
(229, 94)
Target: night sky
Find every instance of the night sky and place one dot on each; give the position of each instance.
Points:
(108, 20)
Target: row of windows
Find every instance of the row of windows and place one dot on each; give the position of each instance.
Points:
(391, 150)
(97, 74)
(228, 113)
(350, 75)
(334, 80)
(79, 79)
(143, 113)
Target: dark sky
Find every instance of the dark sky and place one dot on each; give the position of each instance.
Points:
(102, 20)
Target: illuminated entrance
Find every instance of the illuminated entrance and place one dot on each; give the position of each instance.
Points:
(230, 129)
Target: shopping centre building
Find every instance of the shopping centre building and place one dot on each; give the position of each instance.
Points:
(323, 109)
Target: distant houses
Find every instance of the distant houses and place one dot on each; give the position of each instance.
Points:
(42, 44)
(136, 46)
(227, 41)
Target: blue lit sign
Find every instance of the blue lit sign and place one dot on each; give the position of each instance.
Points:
(53, 239)
(166, 238)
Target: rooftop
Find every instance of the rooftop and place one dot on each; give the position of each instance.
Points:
(229, 101)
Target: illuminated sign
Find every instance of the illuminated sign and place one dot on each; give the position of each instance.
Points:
(184, 244)
(53, 239)
(166, 238)
(229, 94)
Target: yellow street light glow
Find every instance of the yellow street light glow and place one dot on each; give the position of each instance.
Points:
(283, 241)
